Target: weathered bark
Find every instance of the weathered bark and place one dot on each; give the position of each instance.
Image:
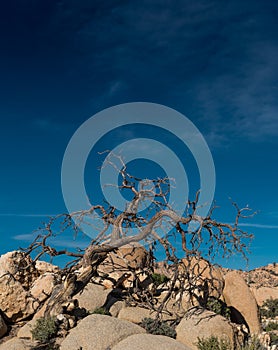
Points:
(64, 292)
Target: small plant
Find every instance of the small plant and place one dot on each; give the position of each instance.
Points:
(101, 311)
(44, 329)
(269, 308)
(271, 326)
(159, 279)
(218, 307)
(158, 327)
(253, 344)
(273, 338)
(213, 343)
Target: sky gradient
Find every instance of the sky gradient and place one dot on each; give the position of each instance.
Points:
(63, 61)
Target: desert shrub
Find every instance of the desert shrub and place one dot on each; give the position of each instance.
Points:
(253, 344)
(273, 338)
(218, 307)
(158, 327)
(44, 329)
(159, 278)
(269, 308)
(271, 326)
(101, 311)
(213, 343)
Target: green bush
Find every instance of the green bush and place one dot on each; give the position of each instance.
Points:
(218, 307)
(213, 343)
(44, 329)
(273, 338)
(269, 308)
(271, 326)
(158, 327)
(253, 344)
(101, 311)
(159, 279)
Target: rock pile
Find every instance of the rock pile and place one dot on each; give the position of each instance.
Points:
(25, 286)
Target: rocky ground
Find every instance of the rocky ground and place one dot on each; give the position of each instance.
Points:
(100, 317)
(266, 276)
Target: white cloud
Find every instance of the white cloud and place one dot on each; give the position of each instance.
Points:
(265, 226)
(25, 237)
(65, 243)
(222, 60)
(70, 243)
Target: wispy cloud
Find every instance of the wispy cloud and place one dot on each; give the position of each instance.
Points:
(259, 225)
(25, 237)
(67, 242)
(115, 87)
(70, 243)
(242, 100)
(221, 61)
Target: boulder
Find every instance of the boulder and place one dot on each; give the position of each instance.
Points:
(116, 308)
(99, 332)
(238, 296)
(93, 296)
(150, 342)
(40, 312)
(17, 273)
(203, 324)
(3, 327)
(25, 331)
(263, 293)
(117, 276)
(133, 256)
(15, 344)
(15, 301)
(207, 278)
(134, 314)
(43, 267)
(20, 266)
(174, 306)
(118, 264)
(43, 286)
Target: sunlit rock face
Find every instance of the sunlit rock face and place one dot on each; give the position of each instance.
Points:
(17, 274)
(203, 324)
(238, 295)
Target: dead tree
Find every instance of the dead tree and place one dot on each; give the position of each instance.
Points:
(157, 226)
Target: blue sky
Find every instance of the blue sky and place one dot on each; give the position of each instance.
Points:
(63, 61)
